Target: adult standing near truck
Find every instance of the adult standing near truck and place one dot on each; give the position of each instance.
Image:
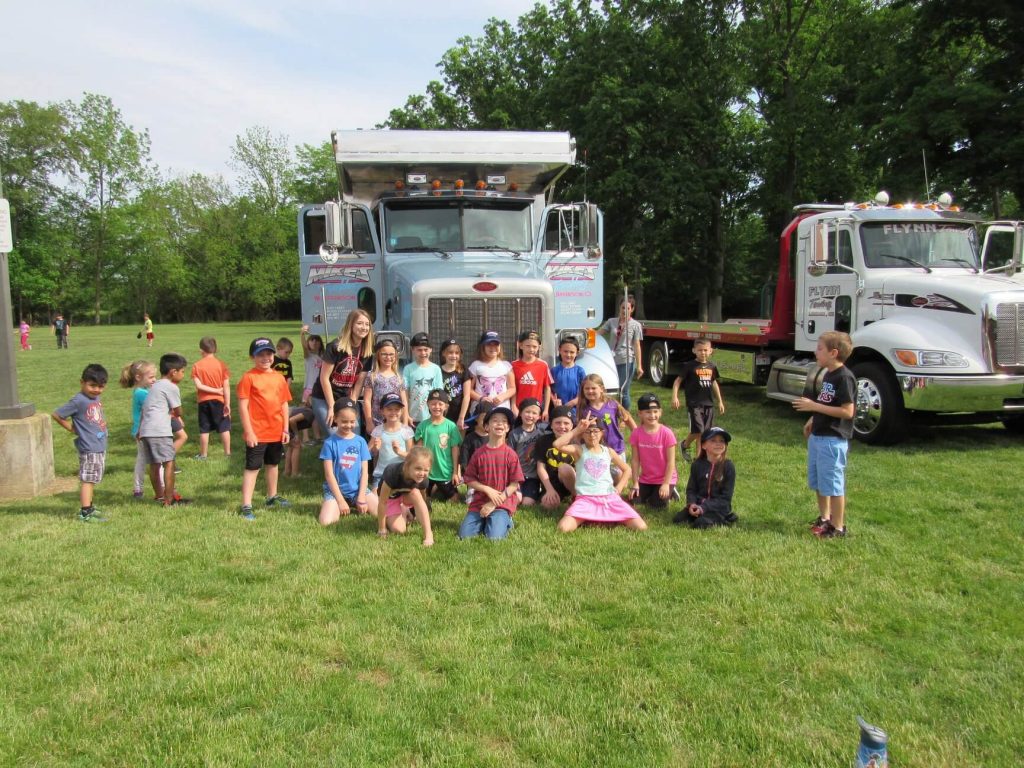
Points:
(624, 335)
(346, 361)
(61, 328)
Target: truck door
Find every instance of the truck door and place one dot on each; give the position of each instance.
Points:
(333, 285)
(574, 266)
(830, 282)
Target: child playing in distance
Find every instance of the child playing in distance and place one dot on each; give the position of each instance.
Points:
(403, 487)
(421, 377)
(598, 497)
(140, 375)
(213, 397)
(23, 329)
(161, 412)
(390, 441)
(491, 376)
(380, 382)
(453, 379)
(312, 348)
(346, 459)
(147, 328)
(828, 432)
(494, 475)
(442, 438)
(531, 374)
(594, 402)
(555, 467)
(653, 461)
(699, 381)
(567, 376)
(710, 487)
(263, 397)
(82, 416)
(523, 439)
(282, 358)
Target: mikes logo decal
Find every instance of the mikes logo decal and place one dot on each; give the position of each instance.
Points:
(338, 273)
(931, 301)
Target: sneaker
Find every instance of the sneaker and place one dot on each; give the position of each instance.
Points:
(199, 457)
(674, 494)
(278, 501)
(177, 501)
(246, 512)
(159, 499)
(90, 515)
(686, 456)
(832, 532)
(177, 470)
(137, 494)
(820, 525)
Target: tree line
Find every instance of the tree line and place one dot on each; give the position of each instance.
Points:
(699, 125)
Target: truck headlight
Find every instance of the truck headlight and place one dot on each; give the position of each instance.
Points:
(929, 358)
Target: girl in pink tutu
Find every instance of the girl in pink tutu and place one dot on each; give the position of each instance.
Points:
(598, 498)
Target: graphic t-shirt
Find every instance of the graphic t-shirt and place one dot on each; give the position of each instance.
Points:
(838, 388)
(454, 384)
(346, 455)
(697, 380)
(439, 438)
(531, 378)
(419, 380)
(490, 378)
(86, 416)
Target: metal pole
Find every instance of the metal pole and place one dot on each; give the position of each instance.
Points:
(10, 407)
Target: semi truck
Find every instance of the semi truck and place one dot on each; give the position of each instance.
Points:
(452, 233)
(935, 337)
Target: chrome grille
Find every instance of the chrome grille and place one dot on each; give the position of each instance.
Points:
(1009, 346)
(464, 319)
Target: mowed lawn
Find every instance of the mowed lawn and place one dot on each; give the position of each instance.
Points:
(192, 637)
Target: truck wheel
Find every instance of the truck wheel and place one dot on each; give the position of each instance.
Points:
(879, 417)
(1014, 424)
(657, 363)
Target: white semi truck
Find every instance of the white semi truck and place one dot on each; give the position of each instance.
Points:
(453, 233)
(935, 337)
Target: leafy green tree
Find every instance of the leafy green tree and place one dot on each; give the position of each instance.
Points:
(315, 176)
(264, 164)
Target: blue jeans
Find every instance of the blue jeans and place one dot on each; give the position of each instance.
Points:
(626, 371)
(495, 526)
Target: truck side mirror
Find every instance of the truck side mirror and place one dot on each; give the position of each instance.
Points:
(589, 235)
(338, 218)
(994, 256)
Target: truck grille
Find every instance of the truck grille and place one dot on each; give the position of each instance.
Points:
(465, 319)
(1009, 342)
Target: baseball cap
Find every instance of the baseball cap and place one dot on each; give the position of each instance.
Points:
(449, 343)
(438, 394)
(391, 398)
(482, 409)
(261, 344)
(500, 411)
(420, 340)
(647, 402)
(715, 432)
(561, 412)
(490, 337)
(527, 402)
(529, 336)
(345, 402)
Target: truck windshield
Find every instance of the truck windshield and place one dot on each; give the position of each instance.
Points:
(926, 244)
(459, 225)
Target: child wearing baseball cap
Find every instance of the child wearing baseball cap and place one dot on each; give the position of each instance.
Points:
(442, 438)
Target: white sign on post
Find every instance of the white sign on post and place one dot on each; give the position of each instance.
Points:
(6, 241)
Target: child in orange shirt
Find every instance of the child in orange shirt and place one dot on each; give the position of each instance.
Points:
(213, 397)
(263, 397)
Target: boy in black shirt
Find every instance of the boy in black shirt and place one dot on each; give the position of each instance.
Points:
(828, 432)
(699, 380)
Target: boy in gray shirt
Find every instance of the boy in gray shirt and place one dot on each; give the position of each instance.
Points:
(82, 416)
(155, 432)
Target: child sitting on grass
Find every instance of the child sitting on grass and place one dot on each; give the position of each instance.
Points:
(598, 497)
(346, 459)
(404, 487)
(494, 475)
(712, 480)
(654, 456)
(390, 442)
(442, 438)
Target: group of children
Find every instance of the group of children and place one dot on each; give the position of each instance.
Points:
(513, 434)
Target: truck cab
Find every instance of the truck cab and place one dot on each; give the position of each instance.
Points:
(453, 233)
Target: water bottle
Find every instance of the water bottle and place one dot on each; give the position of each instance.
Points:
(873, 751)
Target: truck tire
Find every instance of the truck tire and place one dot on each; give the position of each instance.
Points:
(1014, 424)
(657, 364)
(879, 418)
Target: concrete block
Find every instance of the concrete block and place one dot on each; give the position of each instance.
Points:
(26, 457)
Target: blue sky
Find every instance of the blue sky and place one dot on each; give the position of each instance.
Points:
(197, 73)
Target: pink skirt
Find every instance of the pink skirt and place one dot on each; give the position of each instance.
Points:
(610, 508)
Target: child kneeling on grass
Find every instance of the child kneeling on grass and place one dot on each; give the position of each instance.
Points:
(598, 499)
(404, 486)
(712, 480)
(346, 460)
(494, 475)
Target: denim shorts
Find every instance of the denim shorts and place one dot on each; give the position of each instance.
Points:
(826, 465)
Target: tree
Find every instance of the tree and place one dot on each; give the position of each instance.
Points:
(264, 163)
(315, 177)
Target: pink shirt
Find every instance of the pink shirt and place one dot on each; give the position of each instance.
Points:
(651, 451)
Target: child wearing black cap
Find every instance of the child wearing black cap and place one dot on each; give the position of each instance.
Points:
(712, 480)
(654, 456)
(421, 376)
(522, 440)
(494, 476)
(263, 397)
(442, 438)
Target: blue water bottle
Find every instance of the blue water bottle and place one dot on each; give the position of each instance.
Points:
(873, 751)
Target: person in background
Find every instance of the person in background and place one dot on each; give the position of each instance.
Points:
(212, 381)
(624, 335)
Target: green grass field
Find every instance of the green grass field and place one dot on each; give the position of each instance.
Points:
(194, 638)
